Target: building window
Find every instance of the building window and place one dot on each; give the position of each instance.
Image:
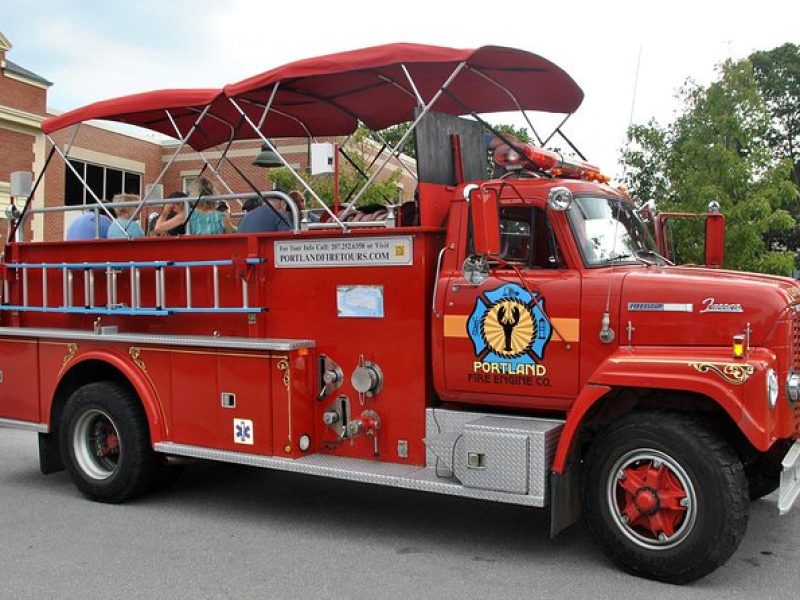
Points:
(188, 180)
(105, 182)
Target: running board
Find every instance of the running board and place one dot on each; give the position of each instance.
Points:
(424, 479)
(24, 425)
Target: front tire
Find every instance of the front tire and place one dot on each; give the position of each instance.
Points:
(105, 442)
(664, 497)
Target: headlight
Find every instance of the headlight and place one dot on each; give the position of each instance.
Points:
(772, 388)
(793, 386)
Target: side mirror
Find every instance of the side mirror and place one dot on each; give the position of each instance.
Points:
(715, 239)
(485, 219)
(475, 269)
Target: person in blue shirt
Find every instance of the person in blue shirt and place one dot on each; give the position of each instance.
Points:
(85, 226)
(124, 223)
(271, 216)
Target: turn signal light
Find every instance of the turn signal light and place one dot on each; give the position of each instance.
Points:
(738, 345)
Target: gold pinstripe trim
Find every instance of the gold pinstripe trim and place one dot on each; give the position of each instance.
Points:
(283, 365)
(267, 357)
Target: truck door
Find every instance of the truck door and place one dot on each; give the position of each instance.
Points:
(515, 337)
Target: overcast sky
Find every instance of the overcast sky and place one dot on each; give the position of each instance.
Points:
(93, 50)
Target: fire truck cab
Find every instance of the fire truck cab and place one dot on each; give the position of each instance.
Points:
(515, 338)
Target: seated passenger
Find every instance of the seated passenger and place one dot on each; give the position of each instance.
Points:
(300, 201)
(251, 204)
(85, 226)
(204, 218)
(271, 216)
(124, 223)
(169, 213)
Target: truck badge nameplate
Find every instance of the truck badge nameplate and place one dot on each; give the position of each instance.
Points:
(243, 431)
(659, 307)
(509, 330)
(388, 251)
(709, 306)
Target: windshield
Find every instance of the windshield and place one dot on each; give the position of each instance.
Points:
(608, 230)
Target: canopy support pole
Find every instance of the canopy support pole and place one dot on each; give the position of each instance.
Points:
(420, 101)
(571, 145)
(286, 164)
(199, 153)
(360, 171)
(425, 110)
(268, 105)
(513, 99)
(172, 158)
(408, 170)
(283, 114)
(72, 139)
(556, 130)
(99, 202)
(18, 231)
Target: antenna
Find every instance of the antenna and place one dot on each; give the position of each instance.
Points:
(606, 332)
(633, 103)
(635, 85)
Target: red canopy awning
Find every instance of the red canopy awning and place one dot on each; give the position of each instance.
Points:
(148, 110)
(329, 95)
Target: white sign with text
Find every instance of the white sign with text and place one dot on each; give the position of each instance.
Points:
(394, 251)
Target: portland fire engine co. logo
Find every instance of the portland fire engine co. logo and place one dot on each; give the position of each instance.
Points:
(510, 331)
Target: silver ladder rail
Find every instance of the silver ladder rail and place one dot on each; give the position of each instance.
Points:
(112, 270)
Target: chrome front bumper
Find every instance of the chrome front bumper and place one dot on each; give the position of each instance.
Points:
(789, 489)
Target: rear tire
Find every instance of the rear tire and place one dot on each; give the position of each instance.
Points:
(105, 442)
(664, 497)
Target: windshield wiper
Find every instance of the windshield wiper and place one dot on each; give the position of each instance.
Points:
(633, 256)
(649, 252)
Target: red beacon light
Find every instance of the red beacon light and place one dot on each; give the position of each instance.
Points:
(548, 162)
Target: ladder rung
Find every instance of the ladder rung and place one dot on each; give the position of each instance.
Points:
(112, 271)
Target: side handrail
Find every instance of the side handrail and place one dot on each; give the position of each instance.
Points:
(164, 201)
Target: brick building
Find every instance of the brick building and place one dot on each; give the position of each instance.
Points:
(23, 106)
(113, 159)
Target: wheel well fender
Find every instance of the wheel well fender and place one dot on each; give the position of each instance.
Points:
(104, 366)
(599, 405)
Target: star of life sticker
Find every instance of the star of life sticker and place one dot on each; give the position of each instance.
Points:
(243, 431)
(508, 326)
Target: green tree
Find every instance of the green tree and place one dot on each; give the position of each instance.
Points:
(716, 150)
(521, 133)
(393, 135)
(777, 74)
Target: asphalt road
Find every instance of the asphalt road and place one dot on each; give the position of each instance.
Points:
(230, 531)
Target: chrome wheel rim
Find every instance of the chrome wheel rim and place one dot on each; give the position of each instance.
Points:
(651, 499)
(96, 444)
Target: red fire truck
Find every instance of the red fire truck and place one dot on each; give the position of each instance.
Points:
(513, 338)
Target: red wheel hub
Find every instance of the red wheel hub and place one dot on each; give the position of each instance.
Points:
(646, 501)
(106, 440)
(651, 499)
